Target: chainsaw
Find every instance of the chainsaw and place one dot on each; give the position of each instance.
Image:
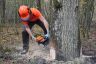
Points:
(42, 40)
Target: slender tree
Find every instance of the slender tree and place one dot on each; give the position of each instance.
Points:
(38, 4)
(2, 13)
(86, 9)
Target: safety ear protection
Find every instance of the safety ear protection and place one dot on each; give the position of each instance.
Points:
(28, 12)
(27, 18)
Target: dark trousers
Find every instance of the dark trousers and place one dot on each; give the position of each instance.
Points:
(25, 35)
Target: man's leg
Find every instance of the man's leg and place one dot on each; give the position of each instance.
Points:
(25, 38)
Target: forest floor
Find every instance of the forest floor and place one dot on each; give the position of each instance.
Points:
(11, 45)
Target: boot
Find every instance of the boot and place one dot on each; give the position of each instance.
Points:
(24, 51)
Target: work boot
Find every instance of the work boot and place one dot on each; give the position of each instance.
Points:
(24, 51)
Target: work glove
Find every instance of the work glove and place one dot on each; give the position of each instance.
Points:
(47, 36)
(33, 38)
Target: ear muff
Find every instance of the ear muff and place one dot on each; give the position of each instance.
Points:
(27, 18)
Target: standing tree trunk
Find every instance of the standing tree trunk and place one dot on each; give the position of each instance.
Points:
(64, 30)
(38, 4)
(2, 13)
(2, 9)
(86, 9)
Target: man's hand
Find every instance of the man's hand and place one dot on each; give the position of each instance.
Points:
(33, 38)
(47, 35)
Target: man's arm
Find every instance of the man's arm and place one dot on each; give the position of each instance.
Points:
(29, 32)
(28, 29)
(43, 20)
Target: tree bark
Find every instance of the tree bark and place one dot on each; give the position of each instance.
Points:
(2, 14)
(2, 10)
(64, 30)
(38, 4)
(86, 9)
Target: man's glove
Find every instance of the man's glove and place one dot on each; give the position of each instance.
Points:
(47, 36)
(33, 38)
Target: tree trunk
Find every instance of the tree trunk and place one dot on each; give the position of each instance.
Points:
(86, 9)
(2, 9)
(2, 13)
(64, 30)
(38, 4)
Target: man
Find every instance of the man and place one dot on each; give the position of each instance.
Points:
(29, 17)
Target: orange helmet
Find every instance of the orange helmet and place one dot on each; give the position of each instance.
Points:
(24, 12)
